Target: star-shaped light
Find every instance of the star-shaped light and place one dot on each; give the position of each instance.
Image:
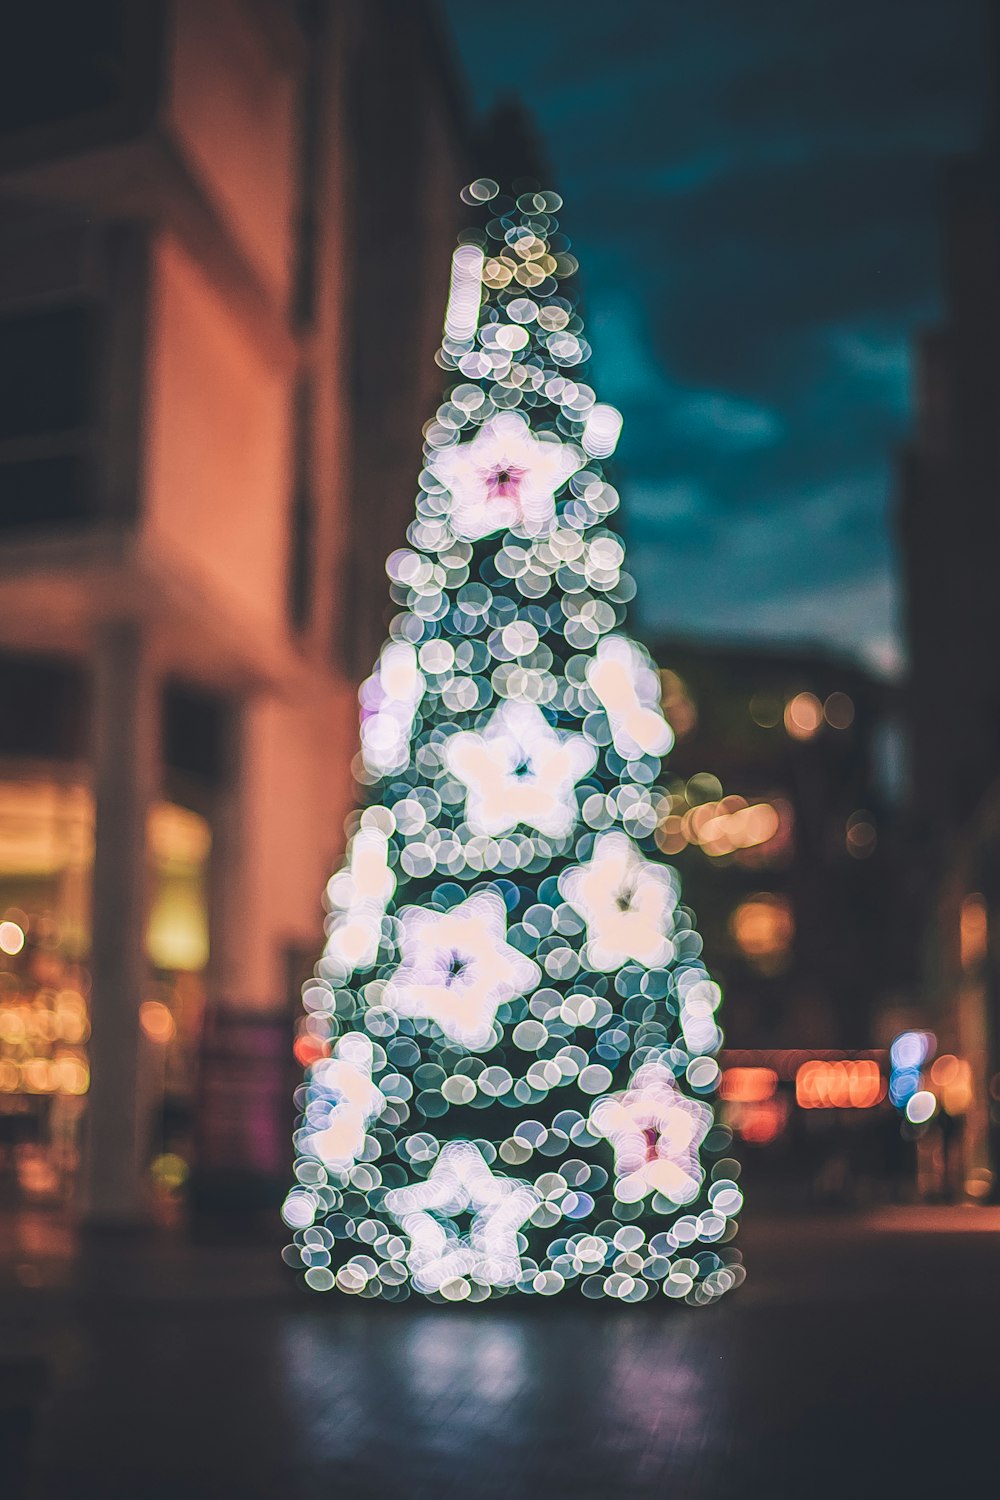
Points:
(504, 477)
(461, 1182)
(626, 902)
(655, 1131)
(457, 968)
(358, 895)
(628, 687)
(345, 1079)
(520, 770)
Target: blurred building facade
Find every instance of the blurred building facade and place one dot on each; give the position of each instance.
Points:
(785, 784)
(949, 527)
(224, 250)
(784, 791)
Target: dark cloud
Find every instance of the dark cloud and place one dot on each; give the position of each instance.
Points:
(752, 187)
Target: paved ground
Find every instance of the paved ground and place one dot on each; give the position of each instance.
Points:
(860, 1359)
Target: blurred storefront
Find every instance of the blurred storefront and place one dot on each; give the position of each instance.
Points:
(782, 809)
(46, 867)
(212, 218)
(818, 1126)
(784, 793)
(949, 529)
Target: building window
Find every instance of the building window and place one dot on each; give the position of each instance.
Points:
(195, 734)
(46, 709)
(60, 59)
(47, 411)
(39, 493)
(46, 371)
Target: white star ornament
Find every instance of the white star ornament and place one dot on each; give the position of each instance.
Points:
(628, 687)
(461, 1182)
(520, 770)
(390, 698)
(627, 903)
(457, 968)
(358, 896)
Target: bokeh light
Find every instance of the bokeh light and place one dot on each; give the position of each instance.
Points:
(157, 1021)
(803, 716)
(763, 929)
(11, 937)
(820, 1084)
(920, 1107)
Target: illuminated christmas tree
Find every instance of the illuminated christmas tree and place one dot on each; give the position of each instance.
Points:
(512, 1031)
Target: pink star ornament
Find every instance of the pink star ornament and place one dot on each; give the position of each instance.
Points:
(506, 477)
(655, 1131)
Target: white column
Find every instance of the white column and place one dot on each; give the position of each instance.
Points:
(126, 735)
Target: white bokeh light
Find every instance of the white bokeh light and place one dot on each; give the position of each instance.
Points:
(358, 896)
(465, 293)
(520, 770)
(602, 431)
(389, 702)
(457, 968)
(628, 686)
(626, 901)
(504, 477)
(655, 1131)
(346, 1078)
(461, 1182)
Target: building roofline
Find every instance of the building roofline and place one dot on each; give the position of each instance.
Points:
(781, 655)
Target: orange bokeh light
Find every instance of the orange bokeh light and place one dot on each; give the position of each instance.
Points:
(839, 1085)
(748, 1085)
(803, 716)
(157, 1022)
(309, 1049)
(762, 1122)
(973, 931)
(763, 926)
(952, 1081)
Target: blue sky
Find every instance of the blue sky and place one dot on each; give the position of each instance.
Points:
(754, 191)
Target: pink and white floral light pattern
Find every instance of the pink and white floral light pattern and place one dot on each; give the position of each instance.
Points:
(627, 902)
(655, 1131)
(520, 770)
(457, 968)
(506, 477)
(461, 1182)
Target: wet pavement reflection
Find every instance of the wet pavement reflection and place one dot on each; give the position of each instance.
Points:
(858, 1358)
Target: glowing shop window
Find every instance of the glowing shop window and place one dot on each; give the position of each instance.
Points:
(179, 845)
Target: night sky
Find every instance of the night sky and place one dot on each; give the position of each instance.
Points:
(754, 189)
